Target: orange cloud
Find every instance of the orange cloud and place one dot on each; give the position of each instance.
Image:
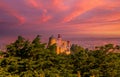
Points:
(103, 18)
(81, 7)
(112, 17)
(93, 29)
(107, 29)
(59, 4)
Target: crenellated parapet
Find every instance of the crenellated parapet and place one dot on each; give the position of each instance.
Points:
(62, 46)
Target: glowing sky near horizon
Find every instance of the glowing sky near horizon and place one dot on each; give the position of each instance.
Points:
(71, 18)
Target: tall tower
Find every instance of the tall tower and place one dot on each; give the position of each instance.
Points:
(62, 46)
(68, 47)
(59, 44)
(52, 41)
(59, 40)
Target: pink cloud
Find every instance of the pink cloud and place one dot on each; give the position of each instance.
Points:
(40, 16)
(59, 4)
(12, 12)
(45, 18)
(81, 7)
(20, 18)
(33, 3)
(112, 16)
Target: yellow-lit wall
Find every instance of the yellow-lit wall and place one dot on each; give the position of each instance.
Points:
(60, 49)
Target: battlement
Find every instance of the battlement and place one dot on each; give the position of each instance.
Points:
(62, 46)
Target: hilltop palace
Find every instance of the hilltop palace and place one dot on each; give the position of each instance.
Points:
(61, 45)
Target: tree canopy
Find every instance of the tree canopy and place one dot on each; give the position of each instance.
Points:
(24, 58)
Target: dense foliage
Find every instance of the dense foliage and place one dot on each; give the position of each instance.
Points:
(32, 59)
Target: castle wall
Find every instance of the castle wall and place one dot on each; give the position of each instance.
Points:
(61, 46)
(53, 41)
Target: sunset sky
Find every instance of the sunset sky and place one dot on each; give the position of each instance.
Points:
(71, 18)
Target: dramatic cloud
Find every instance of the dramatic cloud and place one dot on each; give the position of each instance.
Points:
(82, 7)
(78, 18)
(5, 9)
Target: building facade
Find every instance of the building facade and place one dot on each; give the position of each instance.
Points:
(61, 45)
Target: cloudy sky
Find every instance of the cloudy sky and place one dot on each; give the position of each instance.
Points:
(71, 18)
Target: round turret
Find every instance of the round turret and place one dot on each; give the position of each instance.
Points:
(52, 40)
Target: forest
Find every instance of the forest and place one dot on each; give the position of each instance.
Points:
(25, 58)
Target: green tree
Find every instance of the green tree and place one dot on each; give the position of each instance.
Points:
(76, 48)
